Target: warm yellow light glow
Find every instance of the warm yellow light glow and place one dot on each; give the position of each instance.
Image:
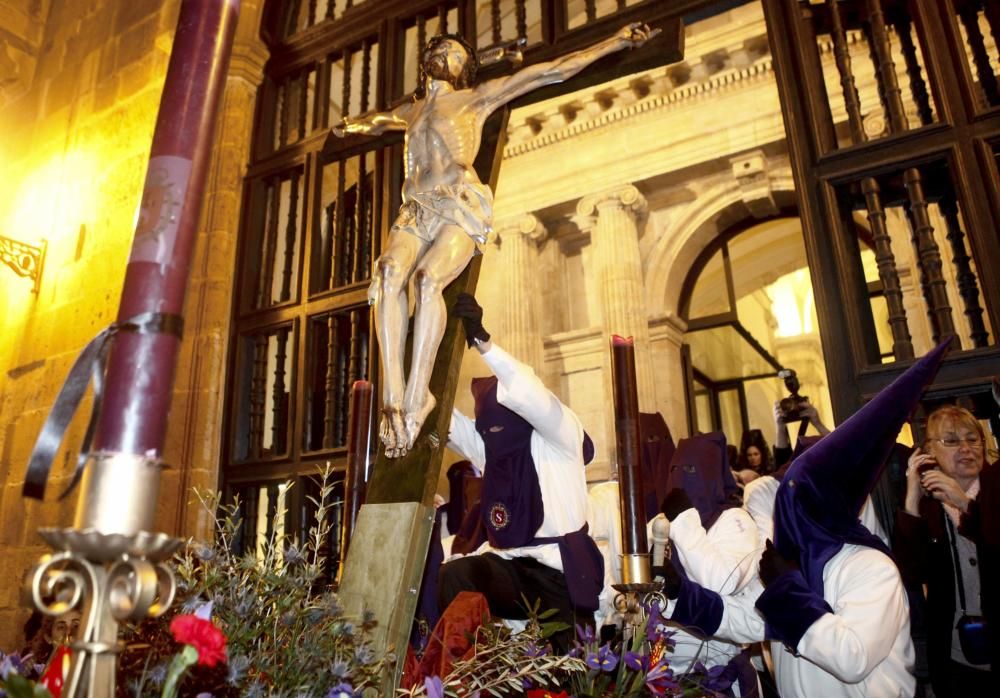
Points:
(53, 199)
(792, 303)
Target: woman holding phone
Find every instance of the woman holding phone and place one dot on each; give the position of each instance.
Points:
(934, 552)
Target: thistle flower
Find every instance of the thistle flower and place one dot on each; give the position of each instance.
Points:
(364, 655)
(340, 669)
(205, 553)
(293, 556)
(158, 674)
(238, 666)
(342, 690)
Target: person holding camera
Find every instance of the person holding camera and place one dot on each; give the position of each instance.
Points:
(932, 549)
(790, 410)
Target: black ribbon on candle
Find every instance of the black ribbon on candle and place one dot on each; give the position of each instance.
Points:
(89, 367)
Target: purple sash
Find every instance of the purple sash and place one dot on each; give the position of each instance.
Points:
(583, 567)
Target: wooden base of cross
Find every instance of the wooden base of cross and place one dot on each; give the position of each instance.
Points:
(388, 550)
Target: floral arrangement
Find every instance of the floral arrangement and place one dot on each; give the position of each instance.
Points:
(505, 663)
(17, 677)
(523, 664)
(278, 629)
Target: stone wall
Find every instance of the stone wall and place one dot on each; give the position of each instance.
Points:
(77, 111)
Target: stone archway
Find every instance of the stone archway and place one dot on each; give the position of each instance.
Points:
(716, 209)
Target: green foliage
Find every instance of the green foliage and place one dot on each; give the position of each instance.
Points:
(287, 632)
(504, 663)
(17, 686)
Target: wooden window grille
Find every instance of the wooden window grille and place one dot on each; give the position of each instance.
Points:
(896, 140)
(317, 208)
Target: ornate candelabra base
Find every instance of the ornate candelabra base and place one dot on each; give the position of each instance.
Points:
(111, 577)
(634, 601)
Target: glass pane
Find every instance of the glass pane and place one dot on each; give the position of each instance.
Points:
(857, 98)
(732, 416)
(722, 354)
(339, 344)
(265, 378)
(502, 21)
(342, 246)
(703, 408)
(272, 252)
(710, 296)
(353, 81)
(761, 395)
(979, 38)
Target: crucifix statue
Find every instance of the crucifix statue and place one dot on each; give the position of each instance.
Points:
(446, 212)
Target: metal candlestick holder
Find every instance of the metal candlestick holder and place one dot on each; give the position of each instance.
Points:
(109, 565)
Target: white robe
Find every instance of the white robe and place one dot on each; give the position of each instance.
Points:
(861, 650)
(556, 448)
(722, 559)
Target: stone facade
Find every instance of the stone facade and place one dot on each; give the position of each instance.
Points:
(77, 110)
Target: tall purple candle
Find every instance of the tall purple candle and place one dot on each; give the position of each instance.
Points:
(634, 545)
(141, 366)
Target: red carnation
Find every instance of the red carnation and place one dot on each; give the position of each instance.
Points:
(203, 635)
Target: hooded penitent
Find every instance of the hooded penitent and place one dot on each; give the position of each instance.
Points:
(457, 506)
(700, 467)
(817, 507)
(657, 449)
(512, 506)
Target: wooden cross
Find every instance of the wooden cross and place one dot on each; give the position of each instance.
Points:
(388, 550)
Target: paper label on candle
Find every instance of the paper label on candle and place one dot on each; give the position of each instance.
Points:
(160, 211)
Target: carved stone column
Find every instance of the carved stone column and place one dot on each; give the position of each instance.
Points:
(519, 238)
(616, 215)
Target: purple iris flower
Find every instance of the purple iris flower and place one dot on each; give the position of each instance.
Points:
(660, 679)
(434, 687)
(717, 679)
(654, 622)
(603, 659)
(533, 651)
(586, 634)
(636, 661)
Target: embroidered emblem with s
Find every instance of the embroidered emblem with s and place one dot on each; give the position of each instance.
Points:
(499, 516)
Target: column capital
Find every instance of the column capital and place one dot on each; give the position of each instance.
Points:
(626, 196)
(526, 224)
(247, 61)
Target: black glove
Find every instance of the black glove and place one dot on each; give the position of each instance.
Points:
(471, 314)
(773, 564)
(676, 502)
(671, 579)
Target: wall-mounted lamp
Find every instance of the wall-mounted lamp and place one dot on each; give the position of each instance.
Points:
(26, 260)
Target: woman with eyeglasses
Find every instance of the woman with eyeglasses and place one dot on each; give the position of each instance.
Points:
(936, 551)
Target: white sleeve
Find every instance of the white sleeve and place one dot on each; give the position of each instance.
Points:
(465, 440)
(741, 623)
(521, 391)
(869, 613)
(722, 558)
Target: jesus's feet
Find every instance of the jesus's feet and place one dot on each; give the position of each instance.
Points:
(414, 418)
(392, 432)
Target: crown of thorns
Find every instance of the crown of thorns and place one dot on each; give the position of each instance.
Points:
(468, 75)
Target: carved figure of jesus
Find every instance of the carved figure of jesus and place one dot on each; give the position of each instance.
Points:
(446, 211)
